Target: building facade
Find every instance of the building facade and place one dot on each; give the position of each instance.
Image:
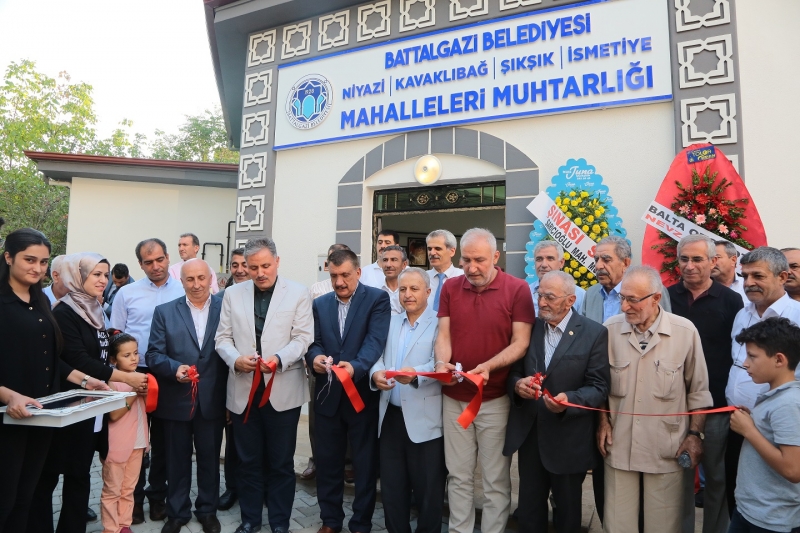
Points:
(332, 104)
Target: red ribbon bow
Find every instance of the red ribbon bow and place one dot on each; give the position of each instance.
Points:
(273, 366)
(468, 415)
(194, 378)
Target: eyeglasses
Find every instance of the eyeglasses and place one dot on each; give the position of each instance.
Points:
(632, 300)
(547, 296)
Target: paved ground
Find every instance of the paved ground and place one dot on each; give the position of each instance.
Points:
(305, 512)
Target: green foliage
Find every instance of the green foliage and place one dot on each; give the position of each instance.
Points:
(47, 114)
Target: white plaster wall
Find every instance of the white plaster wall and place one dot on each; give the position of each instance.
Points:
(110, 217)
(631, 147)
(768, 41)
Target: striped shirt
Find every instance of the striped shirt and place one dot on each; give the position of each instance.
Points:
(552, 336)
(343, 309)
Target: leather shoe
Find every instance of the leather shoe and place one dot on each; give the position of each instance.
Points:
(247, 528)
(326, 529)
(158, 510)
(91, 516)
(173, 526)
(279, 530)
(227, 500)
(210, 523)
(138, 514)
(311, 470)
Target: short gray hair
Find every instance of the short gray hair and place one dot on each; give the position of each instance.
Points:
(479, 233)
(253, 246)
(396, 248)
(622, 248)
(730, 249)
(548, 244)
(55, 265)
(418, 271)
(652, 275)
(711, 248)
(449, 238)
(773, 257)
(567, 281)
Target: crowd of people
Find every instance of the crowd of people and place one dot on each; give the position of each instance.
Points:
(617, 380)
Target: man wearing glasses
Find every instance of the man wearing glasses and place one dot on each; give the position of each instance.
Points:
(712, 308)
(556, 442)
(547, 257)
(657, 368)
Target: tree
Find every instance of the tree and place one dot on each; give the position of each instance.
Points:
(47, 114)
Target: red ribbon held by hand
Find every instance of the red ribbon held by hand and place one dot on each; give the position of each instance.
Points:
(151, 401)
(728, 409)
(468, 415)
(194, 378)
(273, 366)
(349, 387)
(537, 379)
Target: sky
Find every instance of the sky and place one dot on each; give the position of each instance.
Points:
(147, 60)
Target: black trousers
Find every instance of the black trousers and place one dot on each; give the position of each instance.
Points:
(157, 490)
(410, 467)
(266, 442)
(71, 454)
(735, 442)
(231, 459)
(181, 437)
(535, 485)
(599, 483)
(361, 431)
(24, 452)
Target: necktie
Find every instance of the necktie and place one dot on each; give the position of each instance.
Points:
(441, 277)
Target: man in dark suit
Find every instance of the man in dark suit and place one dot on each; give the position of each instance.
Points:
(351, 325)
(181, 336)
(555, 442)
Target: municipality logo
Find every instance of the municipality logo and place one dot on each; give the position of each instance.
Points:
(309, 101)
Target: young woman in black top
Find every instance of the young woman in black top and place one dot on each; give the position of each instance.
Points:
(81, 319)
(30, 342)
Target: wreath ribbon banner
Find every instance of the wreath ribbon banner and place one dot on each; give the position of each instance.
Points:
(563, 230)
(678, 227)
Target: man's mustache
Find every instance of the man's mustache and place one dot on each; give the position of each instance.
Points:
(602, 272)
(753, 289)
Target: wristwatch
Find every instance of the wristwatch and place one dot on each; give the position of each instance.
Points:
(699, 434)
(84, 381)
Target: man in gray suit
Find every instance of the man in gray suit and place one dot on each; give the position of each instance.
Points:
(410, 414)
(265, 321)
(612, 257)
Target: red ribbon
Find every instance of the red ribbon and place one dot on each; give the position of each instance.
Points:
(273, 366)
(537, 379)
(728, 409)
(151, 402)
(468, 415)
(349, 387)
(194, 377)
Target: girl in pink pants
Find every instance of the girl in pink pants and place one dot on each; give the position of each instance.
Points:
(127, 441)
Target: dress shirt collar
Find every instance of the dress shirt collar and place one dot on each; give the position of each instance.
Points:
(259, 291)
(614, 292)
(776, 309)
(764, 395)
(562, 326)
(649, 332)
(348, 302)
(205, 304)
(451, 271)
(170, 280)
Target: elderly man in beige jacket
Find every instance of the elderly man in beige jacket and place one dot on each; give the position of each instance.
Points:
(657, 367)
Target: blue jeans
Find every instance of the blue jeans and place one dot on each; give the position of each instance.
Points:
(740, 525)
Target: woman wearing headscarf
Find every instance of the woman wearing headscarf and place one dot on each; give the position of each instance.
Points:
(30, 342)
(81, 319)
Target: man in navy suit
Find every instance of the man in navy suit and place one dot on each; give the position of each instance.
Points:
(181, 336)
(351, 325)
(555, 442)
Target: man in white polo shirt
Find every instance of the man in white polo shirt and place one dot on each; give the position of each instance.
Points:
(441, 250)
(372, 274)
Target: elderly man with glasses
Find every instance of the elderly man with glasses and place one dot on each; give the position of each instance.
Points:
(657, 368)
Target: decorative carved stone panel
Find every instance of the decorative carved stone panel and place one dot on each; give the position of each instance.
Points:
(724, 105)
(721, 45)
(416, 14)
(334, 30)
(296, 40)
(250, 213)
(258, 88)
(685, 20)
(461, 9)
(255, 129)
(373, 20)
(253, 171)
(262, 48)
(513, 4)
